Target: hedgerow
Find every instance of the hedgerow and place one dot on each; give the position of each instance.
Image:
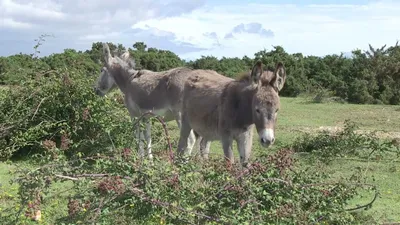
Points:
(115, 187)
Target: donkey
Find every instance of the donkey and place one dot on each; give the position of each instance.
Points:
(221, 108)
(145, 91)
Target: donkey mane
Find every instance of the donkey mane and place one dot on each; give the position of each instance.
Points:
(243, 76)
(128, 73)
(122, 63)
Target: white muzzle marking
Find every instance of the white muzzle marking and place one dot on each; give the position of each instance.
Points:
(267, 136)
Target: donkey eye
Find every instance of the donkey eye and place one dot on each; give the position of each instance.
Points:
(257, 111)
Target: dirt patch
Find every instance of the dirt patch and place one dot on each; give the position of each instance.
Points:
(336, 129)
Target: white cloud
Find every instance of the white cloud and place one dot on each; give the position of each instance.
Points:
(78, 23)
(11, 23)
(42, 9)
(313, 29)
(100, 37)
(192, 29)
(250, 28)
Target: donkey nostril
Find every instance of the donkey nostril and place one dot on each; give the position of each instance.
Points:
(265, 141)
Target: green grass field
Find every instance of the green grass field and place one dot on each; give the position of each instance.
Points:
(296, 117)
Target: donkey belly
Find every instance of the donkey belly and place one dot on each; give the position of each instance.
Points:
(137, 110)
(165, 113)
(205, 131)
(203, 119)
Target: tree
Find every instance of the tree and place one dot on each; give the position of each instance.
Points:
(140, 46)
(371, 76)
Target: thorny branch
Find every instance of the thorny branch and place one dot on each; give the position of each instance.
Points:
(37, 108)
(98, 210)
(78, 177)
(140, 193)
(143, 196)
(4, 130)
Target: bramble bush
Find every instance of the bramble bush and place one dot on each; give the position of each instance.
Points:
(58, 111)
(117, 188)
(345, 143)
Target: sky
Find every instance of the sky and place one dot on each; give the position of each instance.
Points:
(195, 28)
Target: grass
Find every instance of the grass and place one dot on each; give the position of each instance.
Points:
(383, 174)
(7, 191)
(296, 116)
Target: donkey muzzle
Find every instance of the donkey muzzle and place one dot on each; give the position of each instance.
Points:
(267, 137)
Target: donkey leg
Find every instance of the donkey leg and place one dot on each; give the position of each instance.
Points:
(147, 136)
(191, 138)
(178, 119)
(191, 141)
(140, 139)
(139, 134)
(227, 146)
(196, 144)
(244, 142)
(204, 148)
(183, 137)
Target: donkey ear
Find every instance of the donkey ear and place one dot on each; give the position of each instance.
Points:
(125, 56)
(256, 72)
(107, 54)
(279, 78)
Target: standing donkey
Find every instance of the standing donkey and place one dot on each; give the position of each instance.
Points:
(145, 91)
(221, 108)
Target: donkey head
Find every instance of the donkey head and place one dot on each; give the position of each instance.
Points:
(266, 103)
(105, 83)
(112, 67)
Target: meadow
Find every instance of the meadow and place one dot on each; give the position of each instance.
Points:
(298, 117)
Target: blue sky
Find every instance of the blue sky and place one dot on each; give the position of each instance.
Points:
(295, 2)
(199, 27)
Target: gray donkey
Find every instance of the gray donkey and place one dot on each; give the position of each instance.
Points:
(145, 91)
(221, 108)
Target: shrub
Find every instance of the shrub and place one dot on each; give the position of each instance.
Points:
(57, 113)
(346, 142)
(117, 188)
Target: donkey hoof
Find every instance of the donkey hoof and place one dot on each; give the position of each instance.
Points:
(245, 165)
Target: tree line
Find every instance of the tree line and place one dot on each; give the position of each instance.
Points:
(367, 77)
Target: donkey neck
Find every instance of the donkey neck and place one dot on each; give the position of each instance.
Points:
(240, 104)
(247, 93)
(123, 77)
